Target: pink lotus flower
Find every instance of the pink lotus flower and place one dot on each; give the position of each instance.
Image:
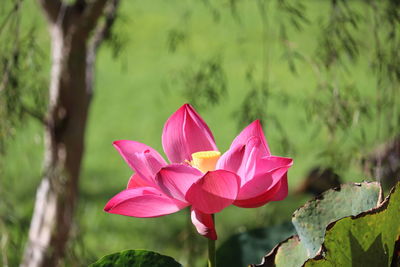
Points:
(246, 175)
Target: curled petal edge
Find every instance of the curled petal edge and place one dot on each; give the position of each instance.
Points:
(278, 192)
(204, 224)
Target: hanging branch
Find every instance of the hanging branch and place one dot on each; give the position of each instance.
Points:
(102, 32)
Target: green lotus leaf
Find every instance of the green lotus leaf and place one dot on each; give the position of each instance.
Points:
(136, 258)
(312, 219)
(368, 239)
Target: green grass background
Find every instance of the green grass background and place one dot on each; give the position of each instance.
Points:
(135, 94)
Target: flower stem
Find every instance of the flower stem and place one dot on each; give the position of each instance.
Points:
(211, 250)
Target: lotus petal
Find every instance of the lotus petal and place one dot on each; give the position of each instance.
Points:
(175, 180)
(204, 224)
(143, 159)
(269, 171)
(242, 159)
(253, 129)
(214, 191)
(136, 181)
(143, 202)
(258, 201)
(185, 133)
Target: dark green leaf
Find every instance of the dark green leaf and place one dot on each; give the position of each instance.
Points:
(136, 258)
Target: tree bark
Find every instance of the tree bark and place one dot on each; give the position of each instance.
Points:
(70, 92)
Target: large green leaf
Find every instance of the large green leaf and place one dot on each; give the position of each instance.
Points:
(136, 258)
(311, 220)
(250, 246)
(367, 239)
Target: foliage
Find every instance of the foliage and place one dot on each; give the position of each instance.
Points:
(22, 89)
(311, 219)
(135, 258)
(22, 96)
(255, 104)
(363, 236)
(12, 232)
(367, 239)
(206, 85)
(338, 102)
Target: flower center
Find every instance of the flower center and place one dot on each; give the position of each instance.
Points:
(205, 160)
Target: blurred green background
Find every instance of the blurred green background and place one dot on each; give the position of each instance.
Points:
(161, 45)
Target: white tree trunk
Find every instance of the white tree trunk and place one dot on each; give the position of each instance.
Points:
(70, 91)
(64, 138)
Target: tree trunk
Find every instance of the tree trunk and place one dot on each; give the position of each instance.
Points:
(64, 144)
(73, 58)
